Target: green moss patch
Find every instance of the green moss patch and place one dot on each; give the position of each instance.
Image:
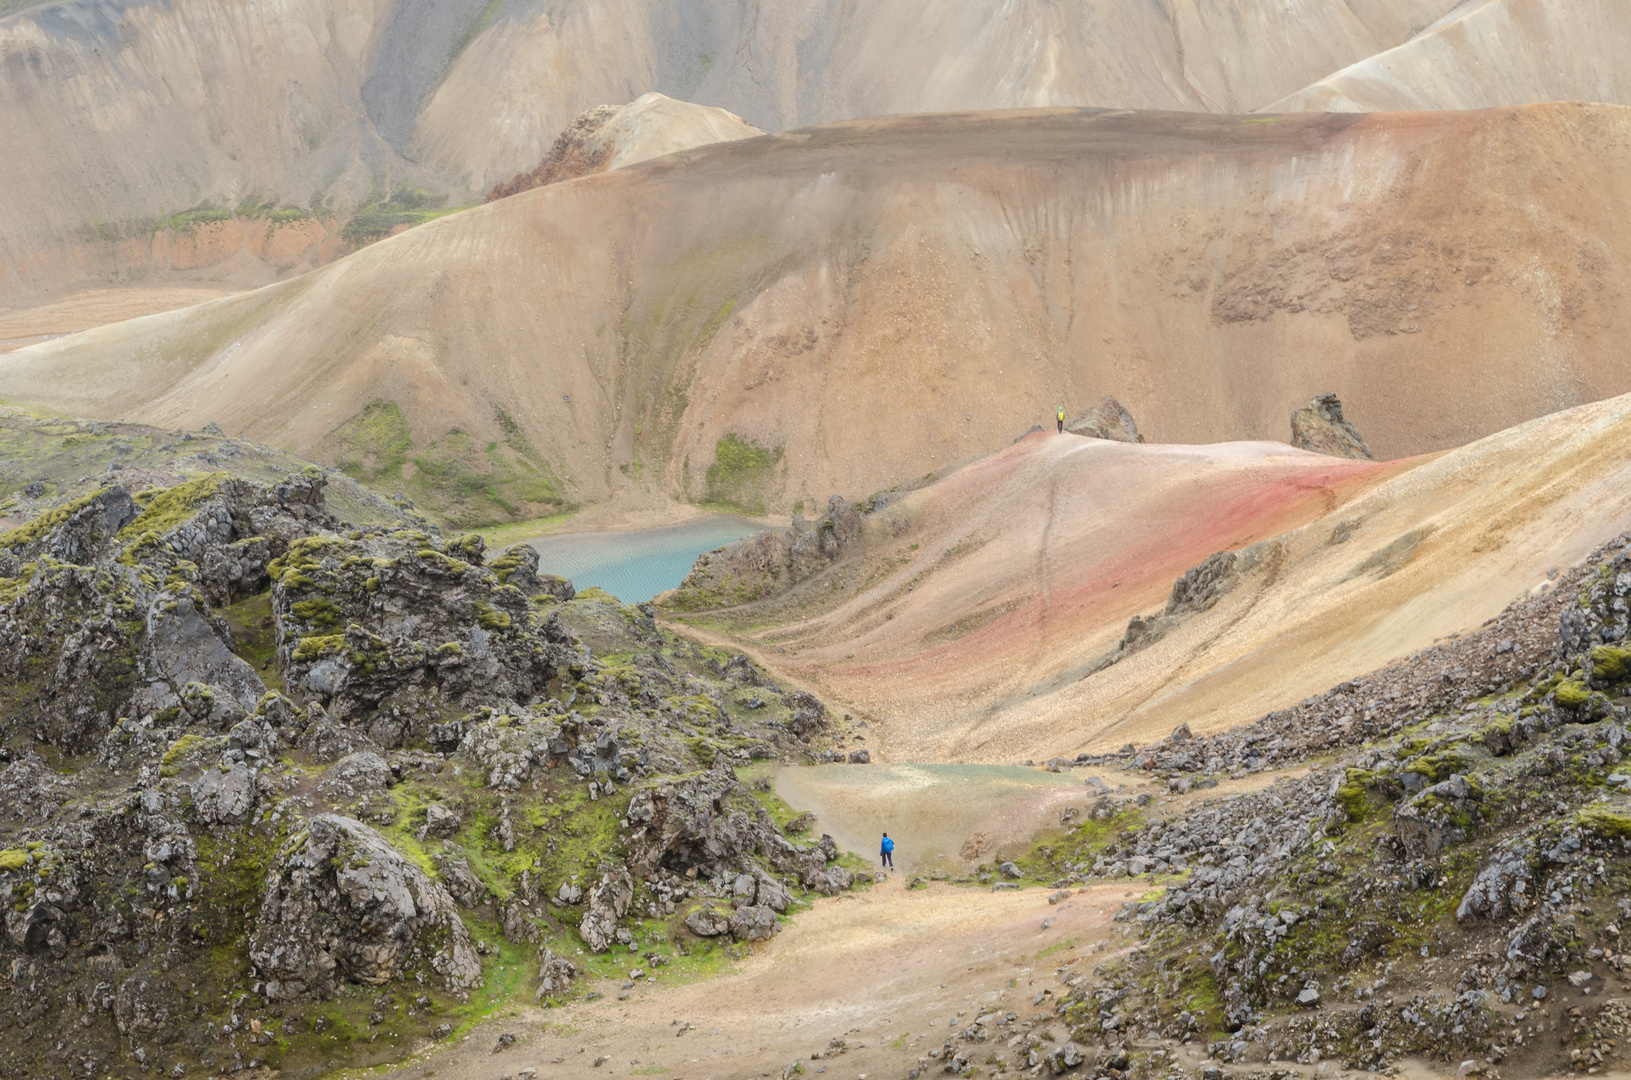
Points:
(740, 473)
(167, 511)
(465, 480)
(1611, 663)
(1572, 694)
(34, 530)
(402, 209)
(1354, 796)
(1606, 820)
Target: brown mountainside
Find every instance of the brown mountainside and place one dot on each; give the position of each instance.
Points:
(945, 282)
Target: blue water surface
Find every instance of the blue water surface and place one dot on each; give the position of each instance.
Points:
(635, 566)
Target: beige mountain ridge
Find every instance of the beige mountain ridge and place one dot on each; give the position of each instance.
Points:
(177, 143)
(985, 617)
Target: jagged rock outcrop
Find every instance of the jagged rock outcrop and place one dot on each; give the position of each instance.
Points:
(1109, 420)
(126, 632)
(341, 902)
(1505, 885)
(613, 136)
(768, 563)
(355, 776)
(453, 870)
(1319, 426)
(422, 690)
(187, 655)
(688, 827)
(555, 974)
(1203, 586)
(393, 624)
(1198, 590)
(607, 901)
(573, 154)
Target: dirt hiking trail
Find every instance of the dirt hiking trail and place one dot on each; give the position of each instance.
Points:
(887, 970)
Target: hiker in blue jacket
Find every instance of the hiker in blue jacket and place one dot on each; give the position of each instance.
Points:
(888, 852)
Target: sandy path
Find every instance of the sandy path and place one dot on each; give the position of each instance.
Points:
(99, 307)
(886, 969)
(939, 815)
(945, 818)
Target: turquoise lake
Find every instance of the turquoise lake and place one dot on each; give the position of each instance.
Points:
(635, 566)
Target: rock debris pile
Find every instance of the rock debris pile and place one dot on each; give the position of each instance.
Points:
(1441, 867)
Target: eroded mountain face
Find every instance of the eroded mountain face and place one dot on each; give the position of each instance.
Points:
(273, 777)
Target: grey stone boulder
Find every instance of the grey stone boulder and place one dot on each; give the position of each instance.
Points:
(686, 824)
(1065, 1057)
(708, 921)
(37, 904)
(325, 739)
(440, 821)
(754, 923)
(828, 881)
(555, 974)
(341, 903)
(517, 927)
(454, 870)
(607, 902)
(1505, 886)
(138, 1008)
(1110, 420)
(225, 795)
(355, 776)
(182, 647)
(773, 894)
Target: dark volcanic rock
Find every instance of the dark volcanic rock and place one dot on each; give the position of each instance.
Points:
(1319, 426)
(342, 902)
(239, 738)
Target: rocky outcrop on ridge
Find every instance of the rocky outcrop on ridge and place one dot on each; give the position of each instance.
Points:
(271, 776)
(771, 562)
(572, 155)
(1319, 426)
(1109, 420)
(614, 136)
